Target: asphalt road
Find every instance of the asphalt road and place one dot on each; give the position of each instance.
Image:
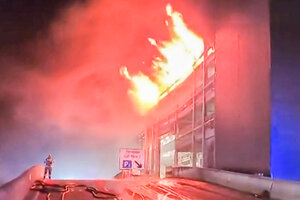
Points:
(133, 188)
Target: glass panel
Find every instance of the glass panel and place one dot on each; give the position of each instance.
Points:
(198, 148)
(209, 152)
(185, 123)
(199, 76)
(210, 108)
(209, 91)
(210, 69)
(165, 127)
(184, 149)
(210, 129)
(198, 115)
(167, 152)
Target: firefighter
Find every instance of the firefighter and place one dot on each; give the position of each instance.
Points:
(48, 166)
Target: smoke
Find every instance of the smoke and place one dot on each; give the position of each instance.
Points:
(61, 92)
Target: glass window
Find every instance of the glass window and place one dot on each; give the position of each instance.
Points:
(185, 123)
(198, 115)
(167, 152)
(184, 150)
(209, 152)
(210, 91)
(210, 108)
(199, 76)
(210, 69)
(165, 127)
(198, 148)
(209, 129)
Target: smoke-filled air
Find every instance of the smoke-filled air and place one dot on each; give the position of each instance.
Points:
(61, 91)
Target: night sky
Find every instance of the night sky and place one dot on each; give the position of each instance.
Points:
(58, 55)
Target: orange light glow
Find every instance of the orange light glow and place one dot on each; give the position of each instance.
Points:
(179, 56)
(144, 91)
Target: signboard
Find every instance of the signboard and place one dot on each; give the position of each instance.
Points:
(131, 159)
(185, 159)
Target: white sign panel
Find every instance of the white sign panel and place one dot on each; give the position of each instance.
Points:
(131, 159)
(185, 159)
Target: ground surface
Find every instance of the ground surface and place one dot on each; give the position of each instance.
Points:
(132, 188)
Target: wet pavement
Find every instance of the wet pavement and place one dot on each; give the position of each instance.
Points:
(133, 188)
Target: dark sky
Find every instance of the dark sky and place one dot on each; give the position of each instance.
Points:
(39, 41)
(22, 20)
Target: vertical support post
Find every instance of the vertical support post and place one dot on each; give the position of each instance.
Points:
(215, 65)
(145, 148)
(203, 108)
(155, 157)
(193, 122)
(157, 151)
(151, 149)
(176, 134)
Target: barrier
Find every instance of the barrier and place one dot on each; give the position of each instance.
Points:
(19, 187)
(257, 185)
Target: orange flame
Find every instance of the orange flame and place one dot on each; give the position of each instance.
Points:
(144, 91)
(179, 57)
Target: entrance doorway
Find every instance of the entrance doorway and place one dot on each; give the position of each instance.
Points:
(167, 153)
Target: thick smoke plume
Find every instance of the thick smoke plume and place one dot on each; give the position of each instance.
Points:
(61, 92)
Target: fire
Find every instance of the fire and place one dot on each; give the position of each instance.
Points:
(179, 57)
(145, 91)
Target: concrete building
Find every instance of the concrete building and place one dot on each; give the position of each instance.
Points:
(219, 117)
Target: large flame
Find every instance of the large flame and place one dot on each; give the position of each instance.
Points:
(143, 90)
(179, 56)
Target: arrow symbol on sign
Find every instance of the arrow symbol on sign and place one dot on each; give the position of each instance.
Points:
(139, 165)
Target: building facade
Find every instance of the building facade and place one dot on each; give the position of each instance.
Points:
(219, 117)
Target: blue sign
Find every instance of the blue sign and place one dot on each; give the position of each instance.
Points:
(127, 164)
